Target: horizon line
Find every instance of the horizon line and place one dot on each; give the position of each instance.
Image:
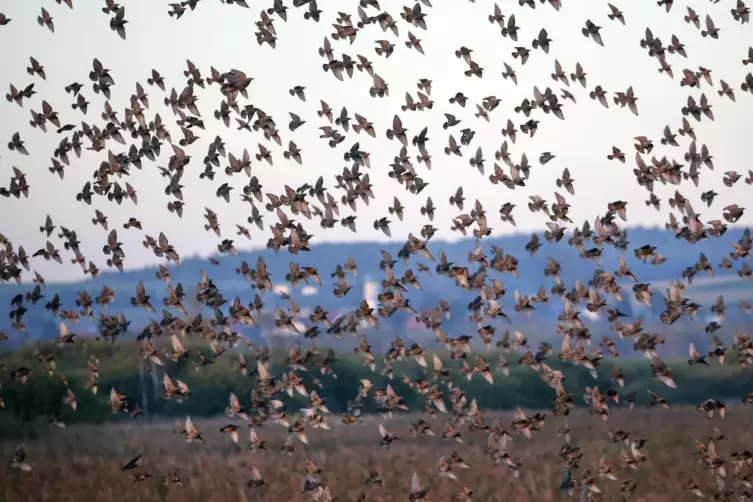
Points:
(198, 256)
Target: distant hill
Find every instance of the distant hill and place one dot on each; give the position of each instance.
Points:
(326, 256)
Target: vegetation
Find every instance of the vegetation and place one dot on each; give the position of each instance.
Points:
(120, 366)
(84, 463)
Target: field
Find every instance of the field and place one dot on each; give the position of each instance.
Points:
(83, 463)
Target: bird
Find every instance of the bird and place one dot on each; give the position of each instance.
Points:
(300, 336)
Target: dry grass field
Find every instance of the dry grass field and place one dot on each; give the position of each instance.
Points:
(84, 463)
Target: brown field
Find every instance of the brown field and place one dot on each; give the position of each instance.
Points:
(84, 463)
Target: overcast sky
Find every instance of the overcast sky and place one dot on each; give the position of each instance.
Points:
(223, 36)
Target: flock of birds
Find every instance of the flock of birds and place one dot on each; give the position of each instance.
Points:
(136, 138)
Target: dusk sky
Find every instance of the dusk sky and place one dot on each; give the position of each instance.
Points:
(222, 36)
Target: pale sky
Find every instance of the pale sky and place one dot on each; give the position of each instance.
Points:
(223, 36)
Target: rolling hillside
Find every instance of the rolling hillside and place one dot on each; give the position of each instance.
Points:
(326, 257)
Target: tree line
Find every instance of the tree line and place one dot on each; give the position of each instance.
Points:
(28, 405)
